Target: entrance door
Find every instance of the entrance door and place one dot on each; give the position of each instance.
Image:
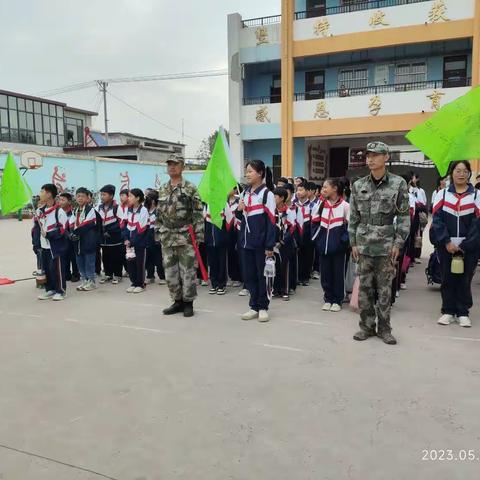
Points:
(316, 8)
(276, 89)
(276, 168)
(455, 71)
(338, 164)
(315, 85)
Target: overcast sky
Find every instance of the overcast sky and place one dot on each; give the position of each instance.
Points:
(53, 43)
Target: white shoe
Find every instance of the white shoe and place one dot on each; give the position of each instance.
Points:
(58, 297)
(46, 295)
(316, 276)
(263, 316)
(418, 261)
(327, 307)
(115, 280)
(236, 284)
(465, 322)
(244, 292)
(446, 319)
(250, 315)
(105, 279)
(82, 286)
(162, 282)
(397, 294)
(138, 290)
(130, 289)
(204, 283)
(89, 286)
(335, 307)
(403, 286)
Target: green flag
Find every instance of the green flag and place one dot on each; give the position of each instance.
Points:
(218, 180)
(15, 193)
(452, 133)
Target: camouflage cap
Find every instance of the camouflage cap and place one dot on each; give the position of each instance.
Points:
(378, 147)
(175, 159)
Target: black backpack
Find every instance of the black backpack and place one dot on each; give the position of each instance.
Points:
(433, 271)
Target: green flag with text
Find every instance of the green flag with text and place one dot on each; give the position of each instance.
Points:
(14, 193)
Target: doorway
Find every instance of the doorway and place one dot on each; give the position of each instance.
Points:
(455, 71)
(338, 164)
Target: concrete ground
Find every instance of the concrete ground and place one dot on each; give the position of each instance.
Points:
(103, 386)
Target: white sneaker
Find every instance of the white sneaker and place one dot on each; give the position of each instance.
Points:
(58, 297)
(446, 319)
(327, 307)
(46, 295)
(403, 286)
(465, 322)
(115, 280)
(203, 283)
(316, 276)
(105, 279)
(82, 285)
(236, 284)
(162, 282)
(130, 289)
(244, 292)
(89, 286)
(138, 290)
(335, 307)
(263, 316)
(250, 315)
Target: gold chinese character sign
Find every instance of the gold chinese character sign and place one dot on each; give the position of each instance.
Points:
(321, 111)
(375, 105)
(322, 27)
(438, 12)
(436, 98)
(262, 35)
(262, 115)
(377, 19)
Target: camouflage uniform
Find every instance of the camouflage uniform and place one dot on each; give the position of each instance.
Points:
(179, 207)
(374, 231)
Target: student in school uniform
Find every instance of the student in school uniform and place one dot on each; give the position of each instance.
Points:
(216, 244)
(420, 210)
(52, 228)
(257, 236)
(154, 261)
(285, 222)
(111, 217)
(123, 213)
(233, 260)
(136, 234)
(456, 235)
(293, 266)
(329, 228)
(83, 233)
(306, 247)
(65, 202)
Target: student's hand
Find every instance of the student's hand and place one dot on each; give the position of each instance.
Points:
(452, 248)
(241, 206)
(355, 254)
(127, 243)
(394, 254)
(269, 253)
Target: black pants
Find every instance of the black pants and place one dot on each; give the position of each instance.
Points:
(253, 268)
(54, 268)
(305, 261)
(293, 270)
(155, 261)
(203, 254)
(457, 289)
(112, 256)
(98, 260)
(283, 259)
(71, 262)
(316, 261)
(217, 264)
(332, 268)
(136, 268)
(233, 262)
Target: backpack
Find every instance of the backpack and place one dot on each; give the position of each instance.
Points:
(433, 271)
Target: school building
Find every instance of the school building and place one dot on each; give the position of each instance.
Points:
(309, 88)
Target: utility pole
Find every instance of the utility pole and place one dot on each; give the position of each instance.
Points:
(102, 85)
(183, 130)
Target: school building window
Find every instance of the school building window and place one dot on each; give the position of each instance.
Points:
(353, 78)
(74, 131)
(411, 72)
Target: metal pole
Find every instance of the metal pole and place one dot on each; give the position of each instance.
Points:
(183, 130)
(104, 88)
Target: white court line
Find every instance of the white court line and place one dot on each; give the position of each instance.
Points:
(15, 314)
(464, 339)
(115, 325)
(150, 305)
(307, 322)
(281, 347)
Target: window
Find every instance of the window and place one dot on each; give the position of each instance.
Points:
(314, 85)
(29, 106)
(21, 104)
(4, 117)
(3, 101)
(276, 89)
(351, 78)
(12, 115)
(12, 103)
(74, 129)
(410, 72)
(37, 107)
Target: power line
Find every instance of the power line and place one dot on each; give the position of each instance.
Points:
(146, 115)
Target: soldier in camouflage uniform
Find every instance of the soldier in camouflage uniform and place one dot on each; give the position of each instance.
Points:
(179, 206)
(379, 225)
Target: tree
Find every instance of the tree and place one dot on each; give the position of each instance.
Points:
(205, 150)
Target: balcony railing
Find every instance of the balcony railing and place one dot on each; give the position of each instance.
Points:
(353, 7)
(262, 100)
(259, 22)
(394, 88)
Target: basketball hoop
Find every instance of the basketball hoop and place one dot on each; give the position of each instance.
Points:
(31, 160)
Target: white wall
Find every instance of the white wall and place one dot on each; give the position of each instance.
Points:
(399, 16)
(249, 114)
(248, 35)
(358, 106)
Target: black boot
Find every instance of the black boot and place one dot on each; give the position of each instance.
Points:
(188, 310)
(177, 307)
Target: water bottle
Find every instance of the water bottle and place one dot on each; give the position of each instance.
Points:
(458, 265)
(269, 271)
